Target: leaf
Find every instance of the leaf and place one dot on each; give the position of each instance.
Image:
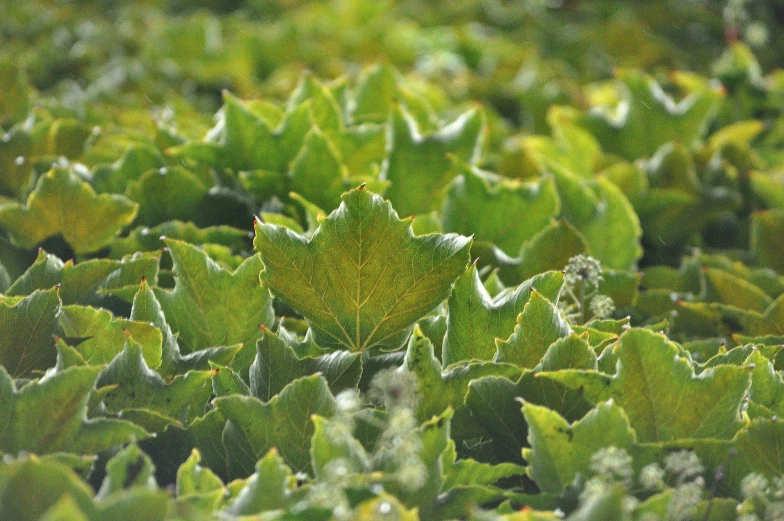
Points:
(172, 445)
(195, 482)
(756, 448)
(129, 468)
(607, 505)
(317, 173)
(538, 326)
(729, 289)
(328, 450)
(146, 308)
(65, 509)
(49, 416)
(152, 191)
(650, 118)
(31, 486)
(660, 393)
(210, 306)
(548, 250)
(137, 387)
(604, 217)
(135, 161)
(418, 166)
(475, 320)
(284, 422)
(506, 213)
(85, 283)
(572, 352)
(102, 336)
(362, 279)
(16, 88)
(247, 141)
(559, 451)
(269, 488)
(15, 150)
(438, 389)
(276, 365)
(766, 394)
(62, 203)
(766, 252)
(468, 472)
(149, 239)
(26, 328)
(492, 402)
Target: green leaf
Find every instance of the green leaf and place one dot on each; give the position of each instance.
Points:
(607, 505)
(65, 509)
(149, 239)
(153, 191)
(249, 143)
(317, 173)
(660, 393)
(729, 289)
(435, 439)
(753, 450)
(548, 250)
(276, 365)
(138, 504)
(129, 468)
(468, 472)
(768, 253)
(379, 89)
(103, 336)
(29, 487)
(195, 482)
(269, 488)
(419, 167)
(766, 394)
(475, 320)
(572, 352)
(226, 381)
(439, 389)
(362, 279)
(84, 283)
(559, 451)
(493, 401)
(17, 173)
(146, 308)
(604, 217)
(211, 306)
(49, 416)
(284, 422)
(650, 118)
(26, 328)
(135, 161)
(506, 213)
(326, 448)
(136, 386)
(62, 203)
(376, 91)
(16, 89)
(538, 326)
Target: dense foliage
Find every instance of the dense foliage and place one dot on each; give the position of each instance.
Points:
(404, 260)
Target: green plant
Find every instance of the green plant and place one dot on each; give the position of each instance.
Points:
(232, 290)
